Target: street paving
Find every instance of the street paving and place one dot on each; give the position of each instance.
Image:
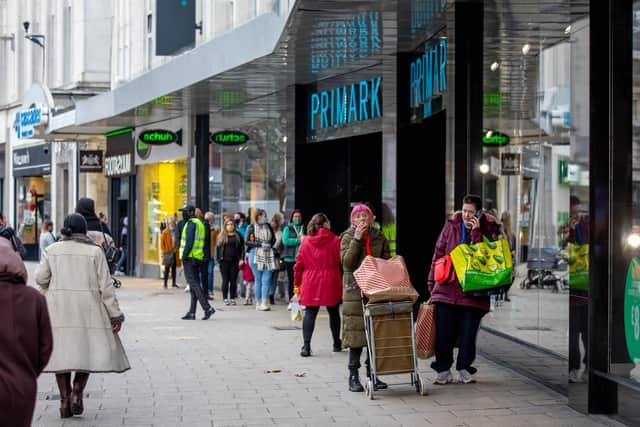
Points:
(242, 368)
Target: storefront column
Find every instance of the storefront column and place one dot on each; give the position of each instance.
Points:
(468, 48)
(202, 162)
(610, 191)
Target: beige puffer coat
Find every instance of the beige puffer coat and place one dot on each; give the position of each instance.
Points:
(76, 283)
(352, 253)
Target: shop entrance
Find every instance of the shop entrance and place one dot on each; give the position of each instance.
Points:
(331, 175)
(421, 158)
(33, 206)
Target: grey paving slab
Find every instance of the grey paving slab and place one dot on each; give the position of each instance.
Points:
(221, 372)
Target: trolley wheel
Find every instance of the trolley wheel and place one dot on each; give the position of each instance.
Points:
(423, 387)
(368, 386)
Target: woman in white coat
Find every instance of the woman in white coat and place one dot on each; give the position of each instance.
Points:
(85, 316)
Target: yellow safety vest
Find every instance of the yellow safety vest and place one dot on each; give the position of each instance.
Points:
(197, 251)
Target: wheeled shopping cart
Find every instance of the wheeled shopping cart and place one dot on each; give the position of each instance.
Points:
(390, 333)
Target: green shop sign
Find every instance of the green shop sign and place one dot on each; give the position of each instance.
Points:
(160, 137)
(492, 137)
(632, 310)
(229, 137)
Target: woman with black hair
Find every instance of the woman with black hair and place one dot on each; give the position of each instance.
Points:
(85, 315)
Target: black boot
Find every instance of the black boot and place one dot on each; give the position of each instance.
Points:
(189, 316)
(337, 346)
(379, 385)
(354, 381)
(306, 350)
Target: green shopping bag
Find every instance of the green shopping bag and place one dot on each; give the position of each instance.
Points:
(483, 266)
(578, 266)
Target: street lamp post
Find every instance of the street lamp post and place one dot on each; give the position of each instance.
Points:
(38, 39)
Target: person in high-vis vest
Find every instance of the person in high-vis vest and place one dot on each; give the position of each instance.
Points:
(192, 256)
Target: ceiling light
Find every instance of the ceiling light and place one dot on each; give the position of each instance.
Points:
(526, 48)
(284, 138)
(567, 30)
(634, 240)
(484, 169)
(495, 66)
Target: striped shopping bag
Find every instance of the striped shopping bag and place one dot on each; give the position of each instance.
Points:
(426, 330)
(385, 279)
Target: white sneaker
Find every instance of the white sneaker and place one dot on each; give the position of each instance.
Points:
(187, 288)
(443, 378)
(465, 377)
(574, 376)
(289, 307)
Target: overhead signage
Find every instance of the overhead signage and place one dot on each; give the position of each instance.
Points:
(118, 165)
(229, 137)
(26, 120)
(118, 161)
(510, 163)
(344, 105)
(160, 137)
(492, 137)
(91, 161)
(32, 161)
(428, 80)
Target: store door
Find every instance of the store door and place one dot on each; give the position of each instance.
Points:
(421, 182)
(331, 175)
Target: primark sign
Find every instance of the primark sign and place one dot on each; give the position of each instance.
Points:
(428, 80)
(345, 105)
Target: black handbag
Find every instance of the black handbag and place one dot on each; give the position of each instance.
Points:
(111, 252)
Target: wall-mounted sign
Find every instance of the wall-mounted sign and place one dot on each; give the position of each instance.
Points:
(118, 160)
(428, 80)
(32, 161)
(229, 137)
(160, 137)
(91, 161)
(341, 106)
(510, 163)
(25, 121)
(492, 137)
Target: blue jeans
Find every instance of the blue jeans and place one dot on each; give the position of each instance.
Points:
(122, 260)
(262, 279)
(210, 270)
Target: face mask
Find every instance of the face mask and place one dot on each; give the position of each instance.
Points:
(297, 221)
(230, 228)
(265, 220)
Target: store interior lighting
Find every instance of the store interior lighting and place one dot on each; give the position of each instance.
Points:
(495, 66)
(567, 30)
(484, 169)
(634, 240)
(526, 48)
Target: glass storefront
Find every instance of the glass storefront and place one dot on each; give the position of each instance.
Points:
(33, 205)
(164, 190)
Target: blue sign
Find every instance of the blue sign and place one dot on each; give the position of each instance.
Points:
(25, 121)
(428, 79)
(341, 106)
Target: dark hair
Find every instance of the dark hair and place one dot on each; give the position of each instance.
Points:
(295, 211)
(45, 225)
(258, 213)
(574, 200)
(241, 215)
(473, 199)
(74, 224)
(86, 206)
(317, 222)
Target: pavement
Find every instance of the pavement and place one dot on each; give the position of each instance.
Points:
(242, 368)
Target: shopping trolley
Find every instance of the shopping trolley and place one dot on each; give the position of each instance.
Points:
(390, 333)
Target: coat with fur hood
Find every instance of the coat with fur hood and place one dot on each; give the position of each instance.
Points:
(317, 270)
(25, 339)
(75, 280)
(353, 252)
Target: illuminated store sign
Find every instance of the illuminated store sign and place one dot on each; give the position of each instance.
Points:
(492, 137)
(229, 137)
(160, 137)
(428, 80)
(341, 106)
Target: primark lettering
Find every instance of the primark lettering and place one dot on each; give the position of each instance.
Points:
(344, 105)
(118, 165)
(428, 77)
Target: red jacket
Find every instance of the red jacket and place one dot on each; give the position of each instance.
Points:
(450, 237)
(317, 270)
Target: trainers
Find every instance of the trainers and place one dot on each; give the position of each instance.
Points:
(226, 301)
(187, 288)
(465, 377)
(246, 302)
(443, 378)
(574, 376)
(289, 307)
(233, 302)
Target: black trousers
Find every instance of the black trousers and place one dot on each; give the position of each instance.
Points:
(289, 266)
(191, 273)
(203, 270)
(456, 323)
(578, 324)
(171, 267)
(309, 323)
(354, 359)
(229, 271)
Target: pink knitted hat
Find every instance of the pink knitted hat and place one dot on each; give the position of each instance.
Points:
(360, 208)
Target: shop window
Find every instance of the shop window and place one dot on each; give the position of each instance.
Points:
(33, 205)
(164, 191)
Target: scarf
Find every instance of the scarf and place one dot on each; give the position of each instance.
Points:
(81, 238)
(264, 257)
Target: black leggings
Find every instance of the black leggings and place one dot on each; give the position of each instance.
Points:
(309, 323)
(289, 265)
(229, 272)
